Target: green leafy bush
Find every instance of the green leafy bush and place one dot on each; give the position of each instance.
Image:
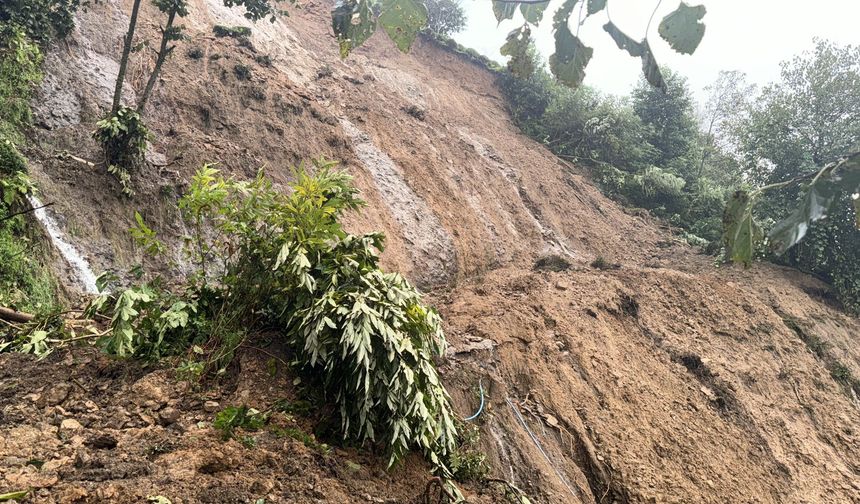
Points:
(41, 20)
(123, 138)
(25, 284)
(284, 261)
(655, 188)
(467, 462)
(19, 76)
(238, 417)
(11, 161)
(362, 332)
(233, 32)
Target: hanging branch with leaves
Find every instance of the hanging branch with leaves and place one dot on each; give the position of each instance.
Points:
(742, 235)
(354, 22)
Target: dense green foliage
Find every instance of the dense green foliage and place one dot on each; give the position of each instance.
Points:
(808, 120)
(24, 283)
(41, 20)
(646, 150)
(284, 262)
(19, 75)
(652, 151)
(123, 138)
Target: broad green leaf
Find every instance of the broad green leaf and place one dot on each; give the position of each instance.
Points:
(20, 494)
(533, 12)
(642, 50)
(595, 6)
(504, 10)
(517, 47)
(814, 206)
(836, 180)
(570, 58)
(740, 232)
(562, 15)
(623, 40)
(683, 28)
(401, 20)
(353, 24)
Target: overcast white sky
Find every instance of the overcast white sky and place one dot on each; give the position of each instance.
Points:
(752, 36)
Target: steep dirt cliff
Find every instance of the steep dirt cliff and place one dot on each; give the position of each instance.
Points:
(664, 379)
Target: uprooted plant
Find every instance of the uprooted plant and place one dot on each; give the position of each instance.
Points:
(276, 261)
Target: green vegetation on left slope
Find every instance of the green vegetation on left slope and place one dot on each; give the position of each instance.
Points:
(25, 284)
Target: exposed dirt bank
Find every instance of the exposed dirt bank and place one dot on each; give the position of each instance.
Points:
(665, 380)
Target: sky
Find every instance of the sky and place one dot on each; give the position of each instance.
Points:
(752, 36)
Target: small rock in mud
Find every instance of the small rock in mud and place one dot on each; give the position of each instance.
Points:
(168, 416)
(147, 391)
(56, 394)
(70, 424)
(101, 442)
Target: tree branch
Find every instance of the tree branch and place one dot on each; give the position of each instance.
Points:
(22, 212)
(15, 316)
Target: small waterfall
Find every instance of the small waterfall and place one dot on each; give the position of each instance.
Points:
(85, 275)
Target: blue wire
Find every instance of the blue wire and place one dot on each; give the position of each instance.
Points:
(481, 407)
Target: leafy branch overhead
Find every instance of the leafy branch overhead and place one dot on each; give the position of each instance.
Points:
(742, 235)
(354, 21)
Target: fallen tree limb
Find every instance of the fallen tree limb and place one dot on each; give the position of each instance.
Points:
(15, 316)
(22, 212)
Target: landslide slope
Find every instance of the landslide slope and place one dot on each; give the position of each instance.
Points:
(662, 380)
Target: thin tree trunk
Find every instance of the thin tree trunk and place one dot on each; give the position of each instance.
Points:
(123, 62)
(163, 51)
(709, 144)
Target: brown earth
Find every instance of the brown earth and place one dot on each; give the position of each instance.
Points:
(664, 380)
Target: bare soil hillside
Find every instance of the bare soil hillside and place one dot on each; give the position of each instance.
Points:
(659, 379)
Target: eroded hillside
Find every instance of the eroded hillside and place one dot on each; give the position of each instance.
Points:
(663, 379)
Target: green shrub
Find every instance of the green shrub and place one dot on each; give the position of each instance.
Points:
(25, 284)
(359, 334)
(467, 462)
(19, 76)
(41, 20)
(657, 189)
(123, 138)
(243, 72)
(830, 251)
(11, 161)
(242, 417)
(233, 32)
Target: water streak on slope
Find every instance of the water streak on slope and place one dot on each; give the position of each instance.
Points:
(85, 276)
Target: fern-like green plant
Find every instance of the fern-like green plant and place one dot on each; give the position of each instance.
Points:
(269, 259)
(123, 137)
(363, 332)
